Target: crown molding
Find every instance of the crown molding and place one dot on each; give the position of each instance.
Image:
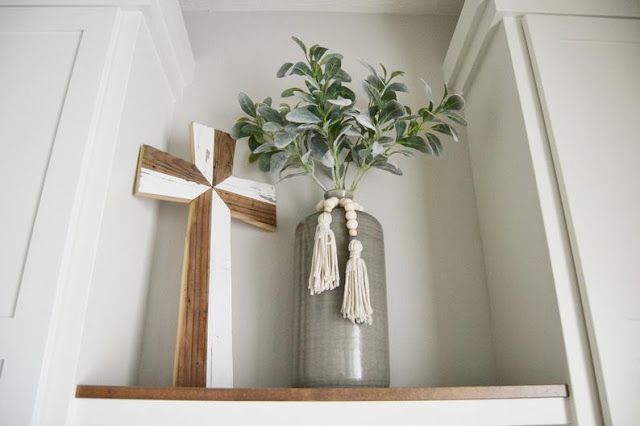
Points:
(397, 7)
(479, 18)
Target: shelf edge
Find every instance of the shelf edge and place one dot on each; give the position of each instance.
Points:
(323, 394)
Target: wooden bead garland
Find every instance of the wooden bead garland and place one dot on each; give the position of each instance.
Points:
(356, 305)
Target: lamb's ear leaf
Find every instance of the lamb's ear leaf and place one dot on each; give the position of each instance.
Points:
(327, 160)
(365, 121)
(395, 74)
(390, 167)
(370, 67)
(264, 162)
(398, 87)
(290, 92)
(445, 129)
(247, 104)
(302, 69)
(302, 115)
(393, 109)
(434, 144)
(283, 139)
(271, 127)
(236, 131)
(454, 102)
(342, 76)
(427, 90)
(330, 56)
(300, 43)
(416, 142)
(456, 118)
(253, 143)
(377, 149)
(283, 69)
(277, 161)
(270, 114)
(384, 70)
(265, 147)
(317, 51)
(340, 101)
(251, 129)
(317, 147)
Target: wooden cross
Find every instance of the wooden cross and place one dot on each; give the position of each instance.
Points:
(203, 349)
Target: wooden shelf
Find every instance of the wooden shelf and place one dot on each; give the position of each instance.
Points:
(323, 394)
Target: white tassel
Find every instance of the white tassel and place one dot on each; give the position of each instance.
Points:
(324, 264)
(356, 304)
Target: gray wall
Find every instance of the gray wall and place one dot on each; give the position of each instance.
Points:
(438, 308)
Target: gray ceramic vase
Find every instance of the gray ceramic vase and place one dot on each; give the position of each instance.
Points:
(328, 349)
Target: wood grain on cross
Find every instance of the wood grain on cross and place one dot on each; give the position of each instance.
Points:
(203, 349)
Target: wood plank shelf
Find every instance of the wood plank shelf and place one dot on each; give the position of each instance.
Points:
(323, 394)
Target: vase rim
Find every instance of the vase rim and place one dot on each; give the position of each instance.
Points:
(338, 193)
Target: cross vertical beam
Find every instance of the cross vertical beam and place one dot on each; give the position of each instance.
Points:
(190, 362)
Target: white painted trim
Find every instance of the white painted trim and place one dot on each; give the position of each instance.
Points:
(58, 380)
(164, 20)
(166, 26)
(584, 400)
(154, 184)
(479, 18)
(219, 328)
(248, 188)
(497, 412)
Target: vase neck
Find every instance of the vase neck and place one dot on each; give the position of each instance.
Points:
(338, 193)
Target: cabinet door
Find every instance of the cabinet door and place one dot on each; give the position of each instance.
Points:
(588, 77)
(51, 77)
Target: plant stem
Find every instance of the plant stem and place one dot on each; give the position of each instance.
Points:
(310, 169)
(315, 178)
(344, 176)
(358, 177)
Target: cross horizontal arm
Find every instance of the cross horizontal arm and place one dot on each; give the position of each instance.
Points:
(162, 176)
(249, 201)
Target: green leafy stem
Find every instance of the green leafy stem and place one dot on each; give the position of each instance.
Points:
(325, 136)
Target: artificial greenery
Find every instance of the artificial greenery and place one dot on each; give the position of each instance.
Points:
(325, 136)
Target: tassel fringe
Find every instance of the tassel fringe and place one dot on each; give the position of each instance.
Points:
(356, 305)
(324, 264)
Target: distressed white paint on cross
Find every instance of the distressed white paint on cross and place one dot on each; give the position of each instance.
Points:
(248, 188)
(204, 352)
(168, 187)
(202, 144)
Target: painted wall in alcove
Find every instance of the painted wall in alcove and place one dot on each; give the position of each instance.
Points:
(438, 308)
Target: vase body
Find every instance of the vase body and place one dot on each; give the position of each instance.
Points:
(328, 349)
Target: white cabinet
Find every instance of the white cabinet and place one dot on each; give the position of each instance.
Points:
(588, 76)
(67, 71)
(553, 104)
